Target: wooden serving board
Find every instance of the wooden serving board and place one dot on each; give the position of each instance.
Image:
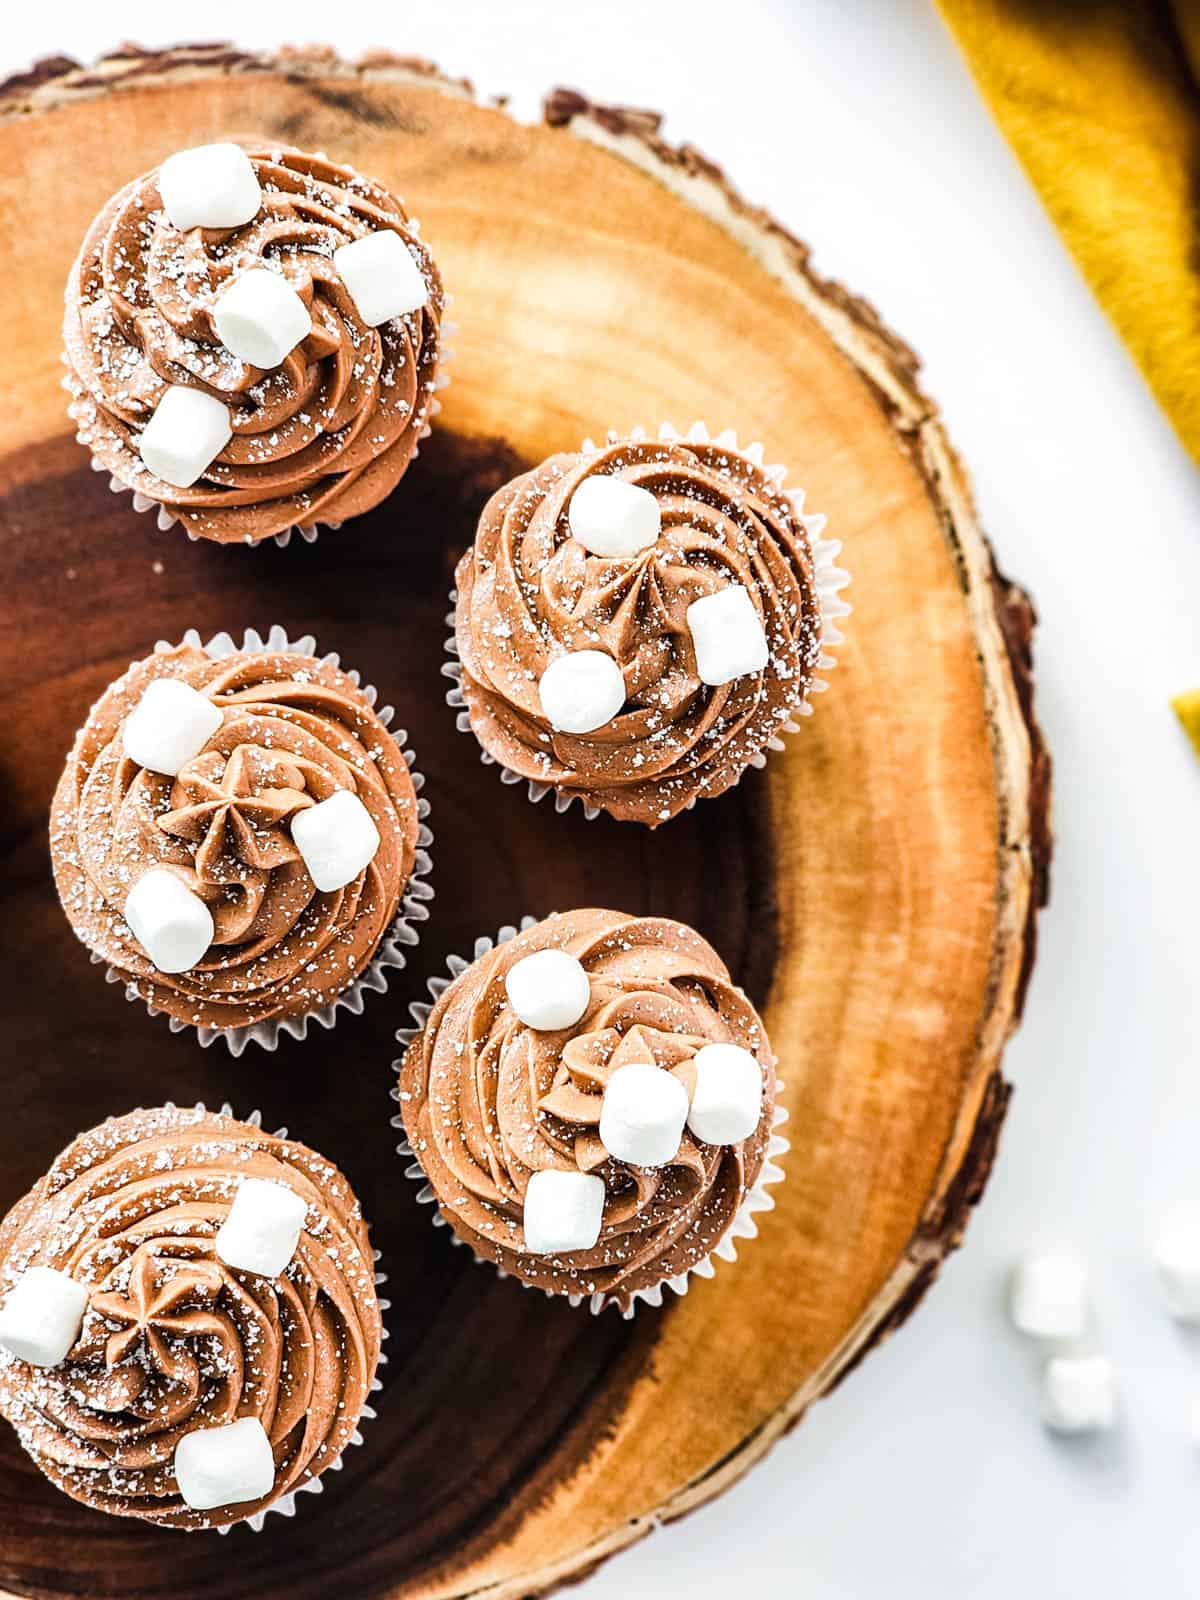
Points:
(875, 888)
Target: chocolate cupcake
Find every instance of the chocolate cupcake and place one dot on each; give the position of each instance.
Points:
(252, 336)
(591, 1104)
(190, 1327)
(238, 835)
(636, 625)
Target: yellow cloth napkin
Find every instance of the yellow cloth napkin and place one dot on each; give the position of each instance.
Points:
(1101, 101)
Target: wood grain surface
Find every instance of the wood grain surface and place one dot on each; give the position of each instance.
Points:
(875, 887)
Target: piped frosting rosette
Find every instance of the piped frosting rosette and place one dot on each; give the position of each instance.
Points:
(590, 1104)
(247, 375)
(190, 1328)
(238, 836)
(637, 624)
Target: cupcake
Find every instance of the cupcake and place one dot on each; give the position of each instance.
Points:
(237, 835)
(189, 1326)
(252, 338)
(636, 625)
(591, 1102)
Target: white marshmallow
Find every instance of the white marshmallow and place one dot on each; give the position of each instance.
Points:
(42, 1316)
(337, 839)
(564, 1211)
(186, 434)
(173, 926)
(1079, 1394)
(727, 1099)
(263, 1227)
(1176, 1256)
(610, 517)
(210, 186)
(581, 691)
(1049, 1296)
(382, 276)
(225, 1466)
(728, 635)
(261, 318)
(642, 1114)
(548, 990)
(170, 724)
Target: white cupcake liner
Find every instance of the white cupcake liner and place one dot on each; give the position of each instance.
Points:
(390, 953)
(829, 579)
(308, 531)
(743, 1225)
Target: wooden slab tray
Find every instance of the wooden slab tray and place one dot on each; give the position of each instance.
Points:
(875, 887)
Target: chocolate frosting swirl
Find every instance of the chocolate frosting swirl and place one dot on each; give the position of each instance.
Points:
(487, 1101)
(528, 591)
(173, 1339)
(327, 434)
(294, 730)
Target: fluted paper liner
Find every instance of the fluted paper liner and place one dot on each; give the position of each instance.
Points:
(389, 955)
(743, 1225)
(828, 578)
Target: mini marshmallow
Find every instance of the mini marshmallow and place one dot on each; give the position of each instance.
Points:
(170, 724)
(337, 839)
(186, 434)
(728, 635)
(1049, 1296)
(263, 1227)
(642, 1114)
(42, 1317)
(610, 517)
(581, 691)
(261, 318)
(1176, 1256)
(225, 1466)
(173, 926)
(210, 186)
(548, 990)
(1079, 1394)
(564, 1211)
(727, 1099)
(383, 279)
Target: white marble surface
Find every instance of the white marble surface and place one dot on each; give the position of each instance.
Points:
(928, 1474)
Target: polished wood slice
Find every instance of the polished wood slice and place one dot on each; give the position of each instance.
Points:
(874, 888)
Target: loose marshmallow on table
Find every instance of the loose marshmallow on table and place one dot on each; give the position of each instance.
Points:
(548, 990)
(610, 517)
(1079, 1394)
(642, 1114)
(186, 434)
(41, 1318)
(210, 186)
(381, 275)
(1049, 1296)
(337, 839)
(1176, 1255)
(261, 318)
(170, 724)
(581, 691)
(173, 926)
(728, 635)
(564, 1211)
(224, 1466)
(727, 1099)
(263, 1227)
